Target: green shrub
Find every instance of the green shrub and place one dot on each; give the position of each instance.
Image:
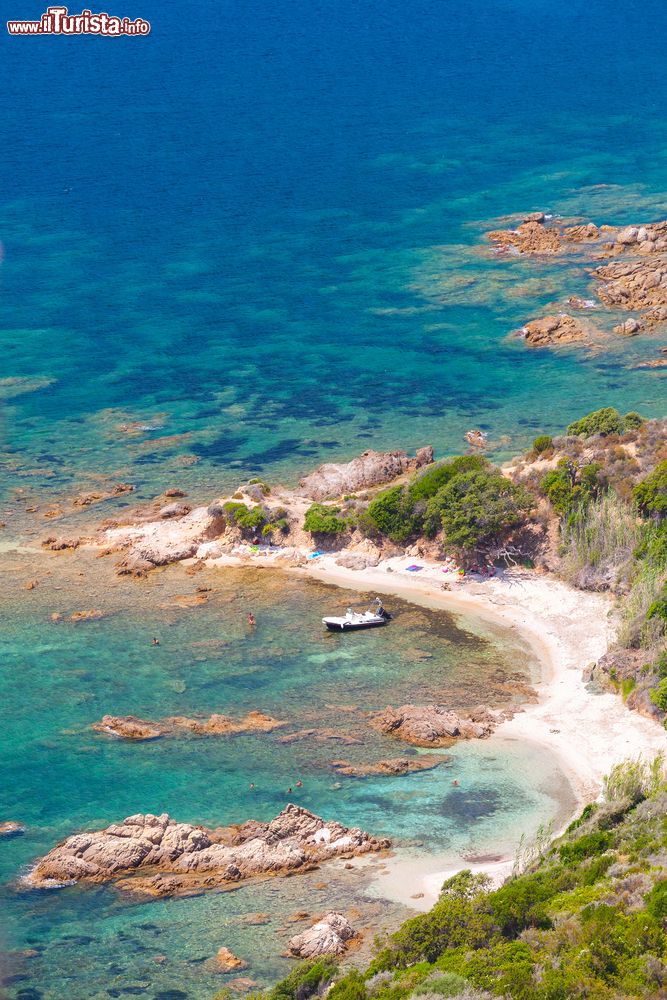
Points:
(568, 486)
(305, 980)
(656, 901)
(392, 514)
(444, 984)
(321, 520)
(585, 847)
(248, 518)
(658, 695)
(605, 421)
(543, 443)
(633, 420)
(436, 476)
(650, 494)
(350, 987)
(627, 687)
(479, 508)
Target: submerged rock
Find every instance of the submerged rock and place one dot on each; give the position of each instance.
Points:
(371, 469)
(392, 767)
(11, 829)
(329, 936)
(434, 725)
(226, 961)
(158, 856)
(129, 727)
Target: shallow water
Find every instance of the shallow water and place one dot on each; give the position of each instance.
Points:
(59, 677)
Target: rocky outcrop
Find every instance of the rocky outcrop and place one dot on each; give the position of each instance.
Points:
(160, 857)
(373, 468)
(633, 284)
(329, 936)
(393, 767)
(11, 829)
(553, 330)
(476, 438)
(357, 560)
(226, 961)
(434, 725)
(531, 237)
(129, 727)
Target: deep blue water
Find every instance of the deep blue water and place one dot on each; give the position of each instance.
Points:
(257, 229)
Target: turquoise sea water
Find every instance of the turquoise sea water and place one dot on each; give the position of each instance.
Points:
(59, 776)
(245, 244)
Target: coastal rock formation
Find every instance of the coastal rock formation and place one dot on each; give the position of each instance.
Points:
(329, 936)
(476, 438)
(552, 330)
(393, 767)
(531, 237)
(633, 284)
(129, 727)
(357, 560)
(226, 961)
(158, 856)
(434, 725)
(11, 829)
(371, 469)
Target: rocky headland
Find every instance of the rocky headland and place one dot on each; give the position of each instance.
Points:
(157, 856)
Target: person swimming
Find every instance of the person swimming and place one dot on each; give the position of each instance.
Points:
(155, 642)
(251, 619)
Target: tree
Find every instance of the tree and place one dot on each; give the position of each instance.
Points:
(478, 508)
(605, 421)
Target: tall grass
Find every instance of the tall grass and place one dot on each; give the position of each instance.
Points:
(598, 542)
(635, 780)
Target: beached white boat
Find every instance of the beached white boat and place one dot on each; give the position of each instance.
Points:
(354, 620)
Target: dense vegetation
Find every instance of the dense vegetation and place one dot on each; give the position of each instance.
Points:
(465, 501)
(586, 918)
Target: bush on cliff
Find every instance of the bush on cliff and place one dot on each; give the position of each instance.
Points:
(542, 443)
(478, 509)
(391, 513)
(321, 520)
(650, 494)
(247, 518)
(436, 476)
(570, 486)
(605, 421)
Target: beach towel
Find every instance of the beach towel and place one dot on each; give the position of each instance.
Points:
(413, 568)
(314, 555)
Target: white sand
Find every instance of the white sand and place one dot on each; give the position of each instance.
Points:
(568, 629)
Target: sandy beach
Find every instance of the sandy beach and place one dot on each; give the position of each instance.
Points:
(587, 732)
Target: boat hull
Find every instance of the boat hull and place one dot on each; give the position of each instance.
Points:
(352, 626)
